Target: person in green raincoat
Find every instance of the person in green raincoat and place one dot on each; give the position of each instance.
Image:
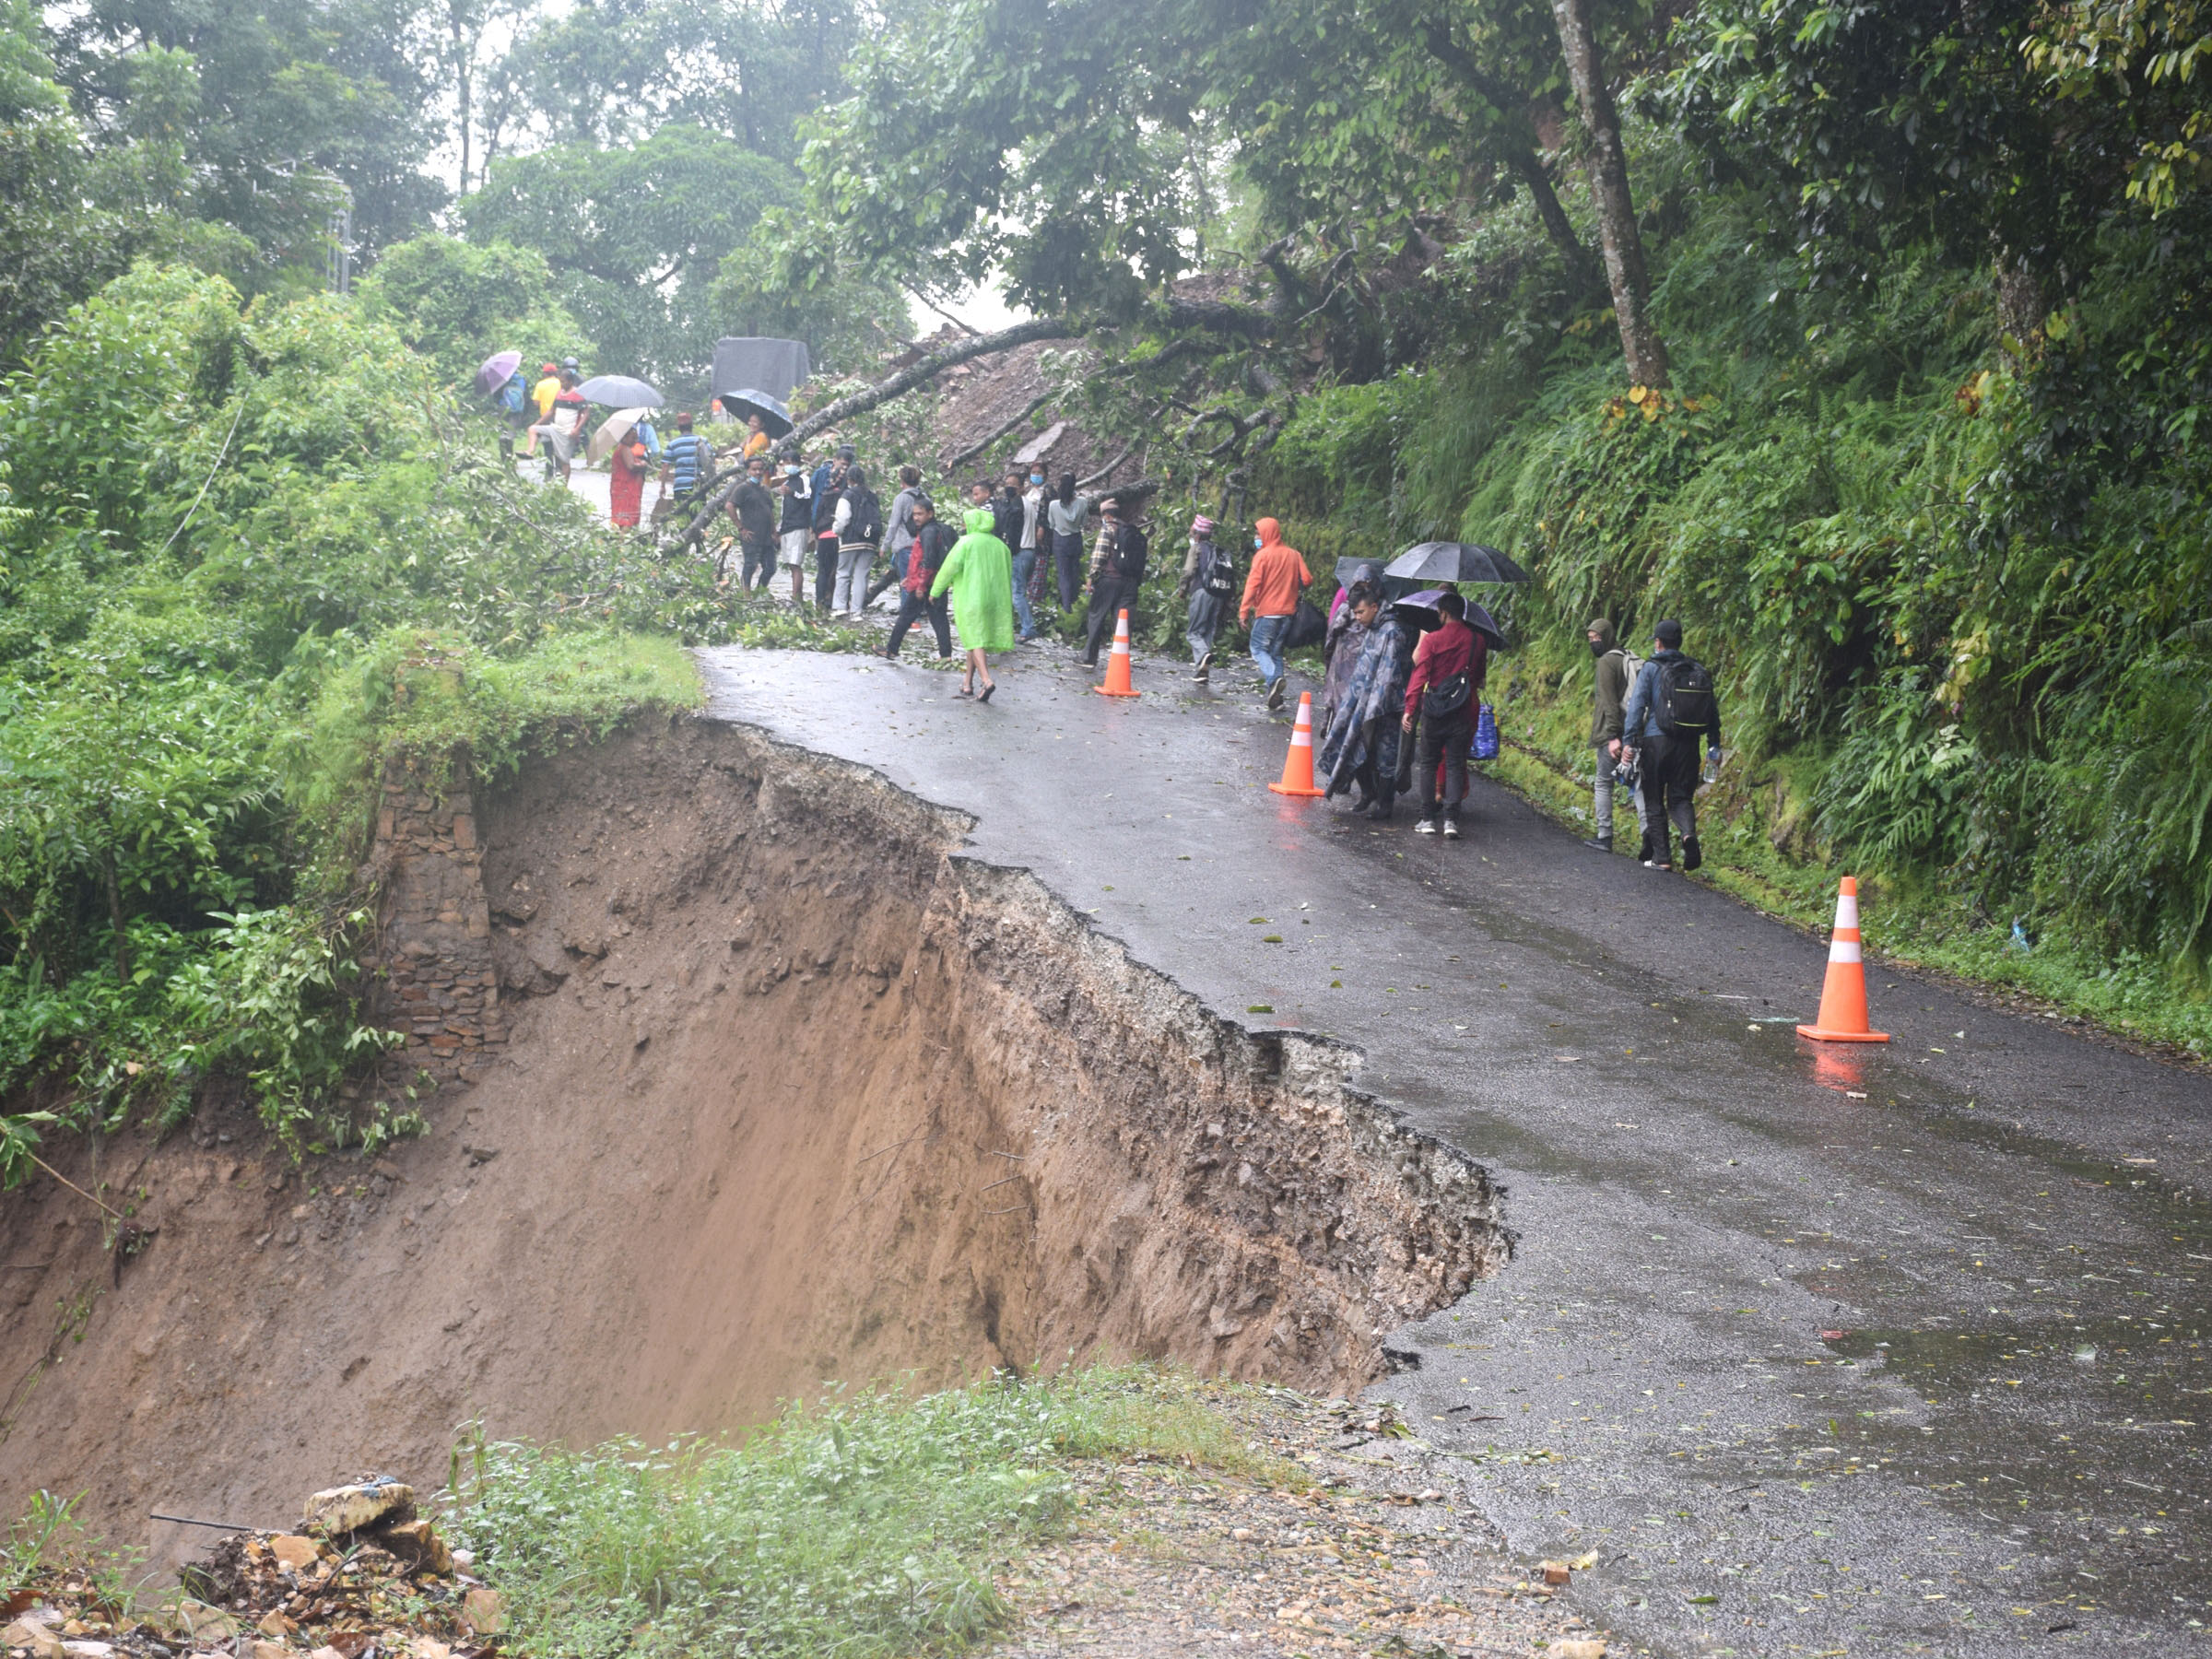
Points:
(980, 573)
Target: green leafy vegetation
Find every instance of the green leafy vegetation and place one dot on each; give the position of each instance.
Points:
(863, 1525)
(247, 552)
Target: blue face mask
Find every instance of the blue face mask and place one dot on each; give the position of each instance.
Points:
(1036, 477)
(1257, 542)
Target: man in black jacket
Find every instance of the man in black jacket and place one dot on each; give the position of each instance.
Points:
(1117, 567)
(795, 528)
(754, 511)
(925, 557)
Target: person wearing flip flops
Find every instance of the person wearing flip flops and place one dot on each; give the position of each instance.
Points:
(979, 573)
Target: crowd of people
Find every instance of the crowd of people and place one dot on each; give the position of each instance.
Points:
(1398, 708)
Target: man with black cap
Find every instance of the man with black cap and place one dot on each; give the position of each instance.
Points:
(1672, 705)
(1117, 569)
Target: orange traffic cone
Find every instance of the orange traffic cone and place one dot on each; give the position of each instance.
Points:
(1843, 997)
(1298, 765)
(1117, 665)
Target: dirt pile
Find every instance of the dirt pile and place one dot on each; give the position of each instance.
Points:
(794, 1092)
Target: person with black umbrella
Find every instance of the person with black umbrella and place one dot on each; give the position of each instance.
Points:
(1447, 669)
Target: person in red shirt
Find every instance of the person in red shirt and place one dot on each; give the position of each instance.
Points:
(626, 481)
(1448, 668)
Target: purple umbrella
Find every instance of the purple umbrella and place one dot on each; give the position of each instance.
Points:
(1424, 602)
(497, 369)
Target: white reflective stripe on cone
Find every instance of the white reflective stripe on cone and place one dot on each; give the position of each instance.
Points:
(1847, 909)
(1843, 950)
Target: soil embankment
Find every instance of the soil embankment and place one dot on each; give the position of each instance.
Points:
(794, 1092)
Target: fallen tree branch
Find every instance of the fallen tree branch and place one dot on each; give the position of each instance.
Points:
(973, 450)
(1106, 470)
(923, 369)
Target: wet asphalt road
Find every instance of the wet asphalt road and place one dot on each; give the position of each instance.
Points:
(1843, 1352)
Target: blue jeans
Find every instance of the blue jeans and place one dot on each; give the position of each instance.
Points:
(1025, 567)
(1266, 645)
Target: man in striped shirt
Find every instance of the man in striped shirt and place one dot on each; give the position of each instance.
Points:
(685, 459)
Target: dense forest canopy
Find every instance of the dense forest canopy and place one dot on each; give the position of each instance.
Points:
(1870, 340)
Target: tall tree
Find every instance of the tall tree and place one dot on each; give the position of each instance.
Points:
(1623, 243)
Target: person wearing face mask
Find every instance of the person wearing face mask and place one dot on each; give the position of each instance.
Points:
(1025, 553)
(1271, 593)
(1118, 571)
(1616, 673)
(1209, 578)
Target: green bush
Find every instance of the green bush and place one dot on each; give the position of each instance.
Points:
(227, 533)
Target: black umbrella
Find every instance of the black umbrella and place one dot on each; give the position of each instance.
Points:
(1421, 612)
(775, 419)
(1349, 567)
(1455, 562)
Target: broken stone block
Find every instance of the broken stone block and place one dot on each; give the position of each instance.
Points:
(483, 1611)
(203, 1623)
(349, 1509)
(294, 1552)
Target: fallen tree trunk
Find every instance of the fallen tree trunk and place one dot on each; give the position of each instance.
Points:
(1216, 315)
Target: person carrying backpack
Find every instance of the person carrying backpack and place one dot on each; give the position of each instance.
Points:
(859, 525)
(1616, 670)
(1117, 572)
(1442, 694)
(1672, 706)
(1209, 583)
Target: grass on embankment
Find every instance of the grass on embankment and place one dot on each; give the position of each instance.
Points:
(862, 1527)
(1760, 844)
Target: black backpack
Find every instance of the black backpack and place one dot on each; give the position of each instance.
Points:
(866, 524)
(1686, 701)
(1219, 577)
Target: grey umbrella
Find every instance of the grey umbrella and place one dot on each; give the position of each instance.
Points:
(1455, 561)
(1349, 567)
(621, 392)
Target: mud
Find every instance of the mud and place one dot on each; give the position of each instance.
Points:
(796, 1092)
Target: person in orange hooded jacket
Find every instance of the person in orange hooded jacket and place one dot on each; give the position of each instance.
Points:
(1271, 593)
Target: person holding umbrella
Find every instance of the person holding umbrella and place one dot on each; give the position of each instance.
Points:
(1447, 669)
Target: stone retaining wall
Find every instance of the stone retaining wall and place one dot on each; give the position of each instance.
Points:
(431, 959)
